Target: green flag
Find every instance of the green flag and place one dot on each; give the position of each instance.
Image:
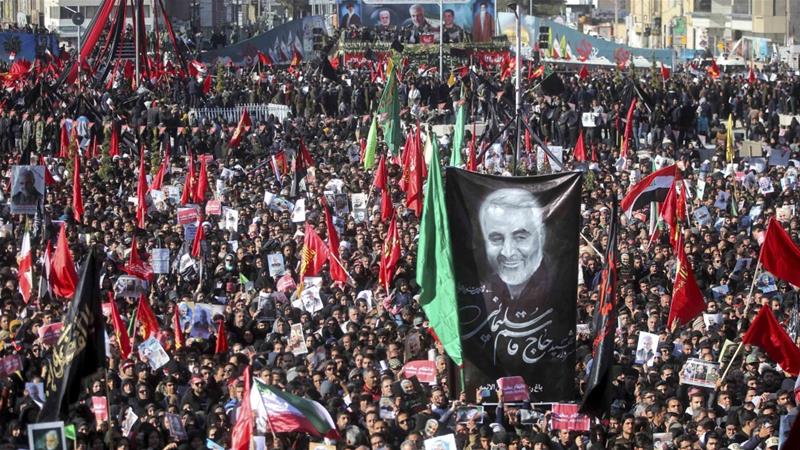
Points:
(435, 265)
(564, 46)
(458, 135)
(69, 432)
(372, 145)
(389, 109)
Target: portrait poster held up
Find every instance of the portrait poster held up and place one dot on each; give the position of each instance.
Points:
(516, 278)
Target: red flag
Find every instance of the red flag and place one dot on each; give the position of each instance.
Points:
(199, 237)
(536, 73)
(121, 333)
(242, 431)
(48, 177)
(387, 207)
(337, 271)
(77, 194)
(779, 254)
(769, 335)
(188, 182)
(628, 128)
(673, 212)
(314, 255)
(222, 339)
(335, 62)
(195, 67)
(113, 146)
(63, 150)
(687, 300)
(141, 192)
(408, 148)
(264, 59)
(665, 73)
(25, 267)
(136, 266)
(305, 156)
(413, 168)
(414, 188)
(244, 121)
(528, 142)
(472, 164)
(751, 75)
(584, 73)
(147, 320)
(158, 180)
(713, 69)
(506, 66)
(296, 58)
(63, 275)
(381, 174)
(390, 255)
(579, 154)
(207, 84)
(202, 182)
(180, 342)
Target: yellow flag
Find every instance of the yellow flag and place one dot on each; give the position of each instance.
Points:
(729, 139)
(452, 80)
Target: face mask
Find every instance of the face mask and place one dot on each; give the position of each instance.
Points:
(228, 266)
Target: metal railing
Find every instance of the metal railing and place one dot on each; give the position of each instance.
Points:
(258, 112)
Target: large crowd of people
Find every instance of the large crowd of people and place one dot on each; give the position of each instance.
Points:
(356, 343)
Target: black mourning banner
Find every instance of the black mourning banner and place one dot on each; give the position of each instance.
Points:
(80, 349)
(515, 248)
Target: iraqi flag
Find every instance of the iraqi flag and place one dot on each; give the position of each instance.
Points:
(653, 188)
(287, 413)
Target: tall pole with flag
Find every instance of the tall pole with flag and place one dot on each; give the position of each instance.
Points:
(435, 273)
(598, 396)
(517, 85)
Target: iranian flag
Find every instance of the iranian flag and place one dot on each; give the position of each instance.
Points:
(287, 413)
(25, 263)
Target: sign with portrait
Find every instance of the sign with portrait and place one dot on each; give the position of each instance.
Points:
(418, 22)
(646, 348)
(700, 373)
(47, 436)
(516, 277)
(27, 189)
(446, 442)
(297, 340)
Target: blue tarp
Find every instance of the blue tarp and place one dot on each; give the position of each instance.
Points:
(580, 47)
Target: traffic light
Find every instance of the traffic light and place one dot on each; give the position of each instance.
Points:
(318, 38)
(544, 37)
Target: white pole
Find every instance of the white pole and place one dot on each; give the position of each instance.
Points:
(517, 84)
(79, 58)
(441, 39)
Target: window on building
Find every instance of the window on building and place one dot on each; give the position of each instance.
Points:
(702, 6)
(742, 7)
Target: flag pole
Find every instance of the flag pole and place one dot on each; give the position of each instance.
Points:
(593, 247)
(747, 307)
(752, 285)
(730, 363)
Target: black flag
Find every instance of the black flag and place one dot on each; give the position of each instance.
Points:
(552, 85)
(516, 278)
(328, 71)
(80, 350)
(599, 389)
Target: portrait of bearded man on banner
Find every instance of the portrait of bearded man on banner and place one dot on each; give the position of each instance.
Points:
(515, 279)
